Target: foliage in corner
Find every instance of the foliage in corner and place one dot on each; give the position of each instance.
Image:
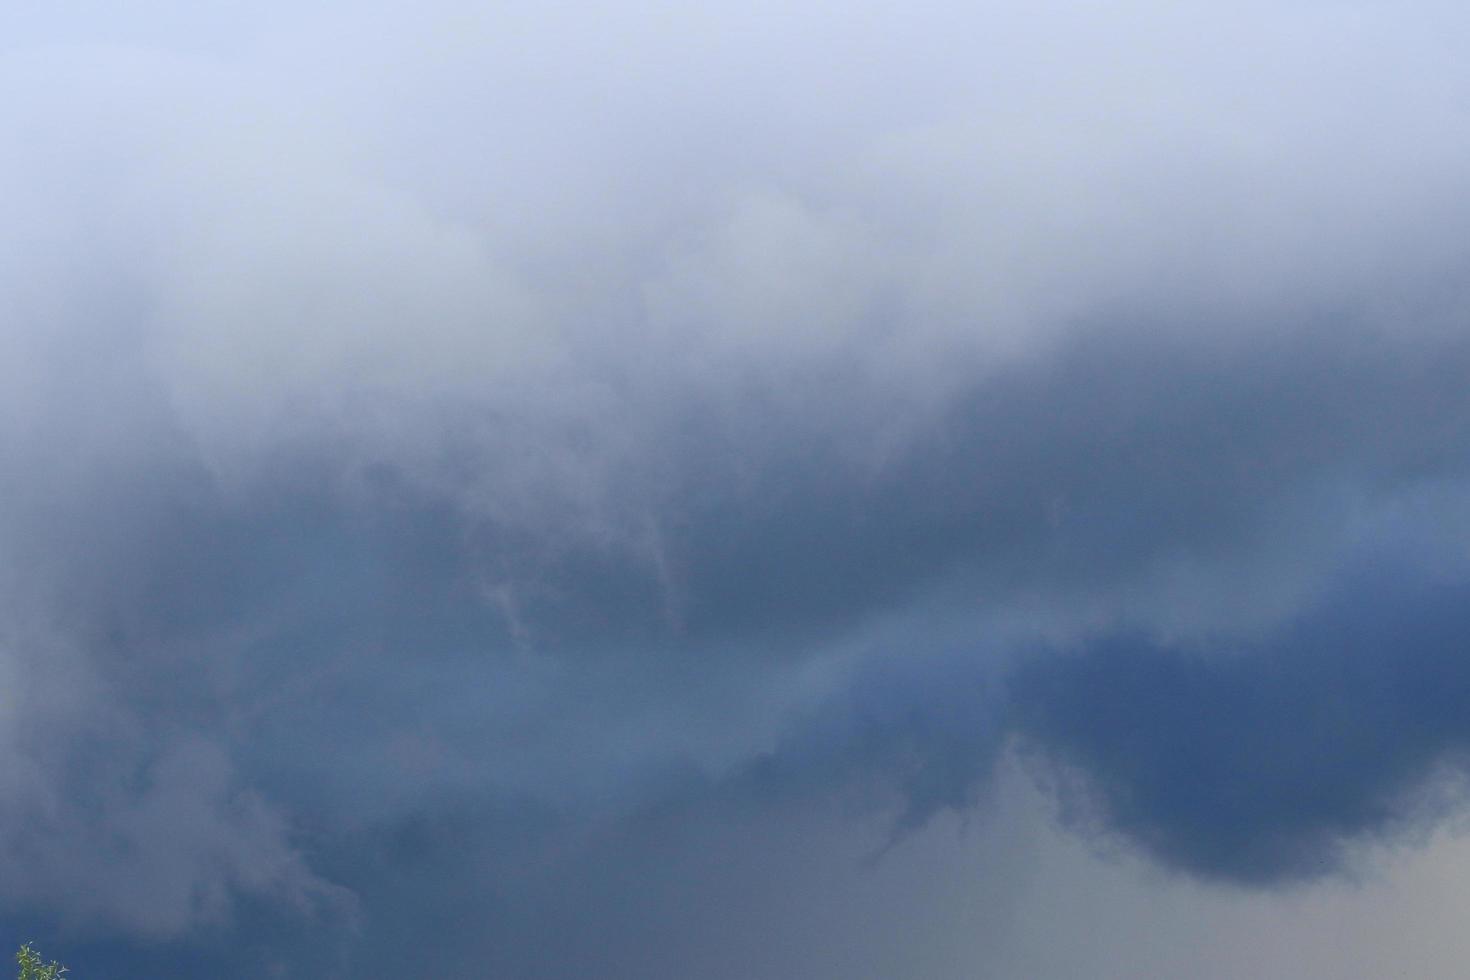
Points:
(32, 967)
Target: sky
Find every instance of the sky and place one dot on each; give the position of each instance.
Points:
(750, 491)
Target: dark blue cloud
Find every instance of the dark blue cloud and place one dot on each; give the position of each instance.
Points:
(1261, 761)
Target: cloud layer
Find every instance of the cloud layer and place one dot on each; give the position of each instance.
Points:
(553, 483)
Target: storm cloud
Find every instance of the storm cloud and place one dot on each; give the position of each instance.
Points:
(610, 493)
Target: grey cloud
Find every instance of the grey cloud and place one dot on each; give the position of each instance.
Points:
(432, 441)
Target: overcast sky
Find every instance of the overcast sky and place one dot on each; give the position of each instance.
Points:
(764, 491)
